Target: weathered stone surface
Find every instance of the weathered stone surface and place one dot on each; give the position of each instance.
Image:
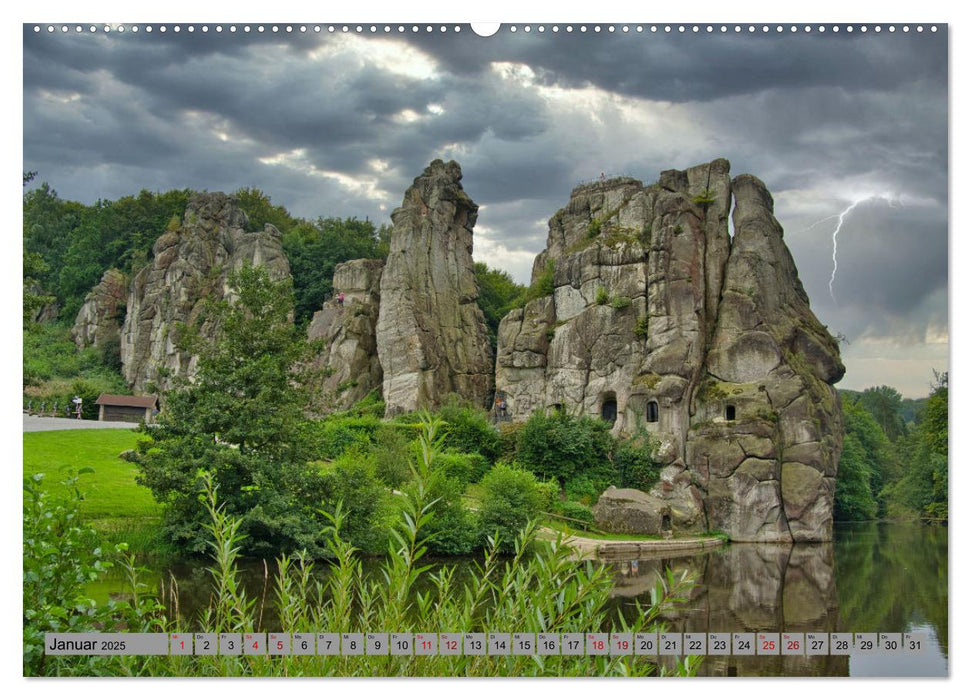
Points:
(190, 264)
(99, 320)
(432, 338)
(654, 304)
(632, 511)
(349, 351)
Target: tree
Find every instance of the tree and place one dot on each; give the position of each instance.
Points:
(885, 404)
(498, 295)
(314, 250)
(241, 420)
(923, 488)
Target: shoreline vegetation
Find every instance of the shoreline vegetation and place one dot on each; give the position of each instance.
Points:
(540, 587)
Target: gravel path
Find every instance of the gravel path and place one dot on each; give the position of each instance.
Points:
(33, 424)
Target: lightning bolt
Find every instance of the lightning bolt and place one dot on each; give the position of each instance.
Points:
(893, 203)
(839, 224)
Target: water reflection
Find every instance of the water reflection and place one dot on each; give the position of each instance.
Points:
(876, 577)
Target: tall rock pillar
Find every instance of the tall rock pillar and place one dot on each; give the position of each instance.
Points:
(432, 337)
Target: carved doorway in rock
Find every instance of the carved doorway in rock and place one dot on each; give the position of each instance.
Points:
(608, 407)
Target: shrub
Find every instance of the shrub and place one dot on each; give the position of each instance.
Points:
(353, 483)
(641, 329)
(455, 466)
(561, 446)
(542, 286)
(575, 510)
(335, 435)
(391, 451)
(620, 302)
(508, 439)
(603, 296)
(635, 460)
(467, 429)
(583, 489)
(452, 529)
(511, 498)
(593, 228)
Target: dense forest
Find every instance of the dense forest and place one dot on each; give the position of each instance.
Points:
(894, 461)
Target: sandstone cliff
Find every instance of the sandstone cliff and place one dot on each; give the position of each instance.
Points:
(431, 334)
(658, 318)
(190, 264)
(99, 320)
(349, 354)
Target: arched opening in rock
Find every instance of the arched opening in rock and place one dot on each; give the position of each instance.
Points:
(652, 411)
(556, 408)
(666, 523)
(608, 407)
(729, 413)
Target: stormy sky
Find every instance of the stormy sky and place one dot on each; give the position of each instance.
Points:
(339, 124)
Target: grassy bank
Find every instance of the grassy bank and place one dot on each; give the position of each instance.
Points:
(113, 504)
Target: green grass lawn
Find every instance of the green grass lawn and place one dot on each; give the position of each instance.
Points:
(112, 501)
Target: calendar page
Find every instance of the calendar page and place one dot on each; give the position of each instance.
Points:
(410, 349)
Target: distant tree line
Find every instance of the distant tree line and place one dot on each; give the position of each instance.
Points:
(894, 461)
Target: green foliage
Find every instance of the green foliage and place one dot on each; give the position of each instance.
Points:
(561, 446)
(539, 588)
(335, 434)
(511, 499)
(641, 329)
(923, 487)
(61, 556)
(575, 511)
(619, 302)
(77, 243)
(352, 482)
(261, 211)
(241, 422)
(705, 198)
(885, 403)
(542, 286)
(454, 466)
(391, 453)
(602, 297)
(498, 295)
(55, 372)
(315, 249)
(594, 227)
(584, 489)
(467, 429)
(635, 460)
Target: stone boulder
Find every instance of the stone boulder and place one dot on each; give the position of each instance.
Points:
(99, 320)
(632, 512)
(432, 338)
(347, 334)
(190, 264)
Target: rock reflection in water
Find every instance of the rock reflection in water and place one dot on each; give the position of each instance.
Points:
(747, 588)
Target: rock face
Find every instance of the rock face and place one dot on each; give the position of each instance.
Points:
(191, 263)
(99, 320)
(432, 338)
(348, 335)
(659, 319)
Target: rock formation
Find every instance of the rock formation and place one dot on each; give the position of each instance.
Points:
(191, 263)
(659, 318)
(99, 320)
(432, 338)
(347, 334)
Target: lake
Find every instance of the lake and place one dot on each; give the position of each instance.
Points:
(874, 577)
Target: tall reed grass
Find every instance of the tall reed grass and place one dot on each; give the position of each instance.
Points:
(540, 588)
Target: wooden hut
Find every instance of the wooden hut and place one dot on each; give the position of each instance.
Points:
(130, 409)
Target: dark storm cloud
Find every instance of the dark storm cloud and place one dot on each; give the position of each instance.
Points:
(823, 120)
(693, 67)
